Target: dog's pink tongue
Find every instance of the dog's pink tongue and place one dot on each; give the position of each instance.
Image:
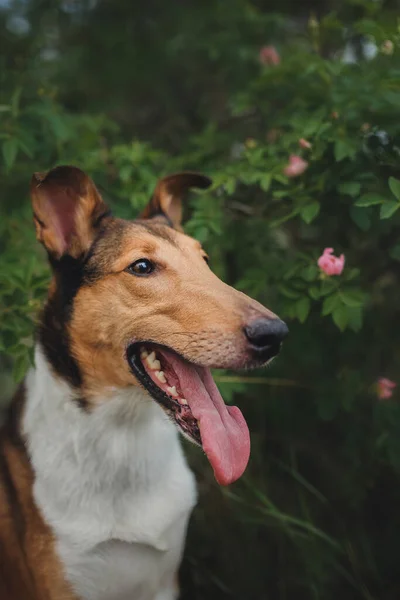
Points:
(223, 429)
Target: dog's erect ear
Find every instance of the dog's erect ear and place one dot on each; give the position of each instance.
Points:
(169, 194)
(67, 208)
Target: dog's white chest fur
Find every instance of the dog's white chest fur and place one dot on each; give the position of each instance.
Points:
(113, 485)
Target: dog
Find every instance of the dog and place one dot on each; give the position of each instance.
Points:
(95, 492)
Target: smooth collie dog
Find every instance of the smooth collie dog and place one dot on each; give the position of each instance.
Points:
(95, 492)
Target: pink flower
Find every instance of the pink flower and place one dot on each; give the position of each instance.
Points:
(269, 56)
(329, 264)
(296, 166)
(304, 143)
(385, 388)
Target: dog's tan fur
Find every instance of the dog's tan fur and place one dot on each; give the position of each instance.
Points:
(184, 306)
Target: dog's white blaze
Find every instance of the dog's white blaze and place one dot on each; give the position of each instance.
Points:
(113, 485)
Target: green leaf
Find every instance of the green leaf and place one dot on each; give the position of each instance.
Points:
(340, 317)
(310, 273)
(355, 316)
(343, 150)
(15, 99)
(350, 188)
(25, 148)
(125, 173)
(395, 252)
(265, 182)
(361, 217)
(352, 298)
(314, 292)
(388, 209)
(328, 285)
(280, 178)
(230, 186)
(394, 185)
(280, 194)
(303, 308)
(288, 292)
(10, 150)
(351, 274)
(59, 126)
(21, 365)
(309, 212)
(370, 199)
(202, 234)
(330, 303)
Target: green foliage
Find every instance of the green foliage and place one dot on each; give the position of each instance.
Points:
(130, 97)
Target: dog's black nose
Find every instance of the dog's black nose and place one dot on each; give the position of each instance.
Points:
(266, 333)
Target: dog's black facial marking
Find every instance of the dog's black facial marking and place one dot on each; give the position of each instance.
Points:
(53, 334)
(70, 274)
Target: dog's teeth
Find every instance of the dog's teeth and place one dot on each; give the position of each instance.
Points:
(182, 401)
(143, 353)
(172, 391)
(160, 376)
(153, 363)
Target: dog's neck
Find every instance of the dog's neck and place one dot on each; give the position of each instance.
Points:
(98, 472)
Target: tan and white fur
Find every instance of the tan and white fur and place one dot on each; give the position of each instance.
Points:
(95, 492)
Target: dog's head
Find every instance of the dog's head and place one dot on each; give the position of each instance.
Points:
(135, 302)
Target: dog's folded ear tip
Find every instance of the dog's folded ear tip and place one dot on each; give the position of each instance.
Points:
(198, 180)
(37, 178)
(60, 172)
(206, 181)
(179, 182)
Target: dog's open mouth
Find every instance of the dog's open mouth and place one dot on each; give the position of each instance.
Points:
(190, 397)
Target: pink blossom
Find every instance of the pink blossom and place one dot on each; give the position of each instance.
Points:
(385, 388)
(269, 56)
(296, 166)
(329, 264)
(304, 143)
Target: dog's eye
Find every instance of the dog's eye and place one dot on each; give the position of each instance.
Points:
(206, 258)
(141, 267)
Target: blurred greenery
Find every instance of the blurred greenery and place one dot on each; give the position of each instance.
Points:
(130, 91)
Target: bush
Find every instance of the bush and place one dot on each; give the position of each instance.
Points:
(235, 92)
